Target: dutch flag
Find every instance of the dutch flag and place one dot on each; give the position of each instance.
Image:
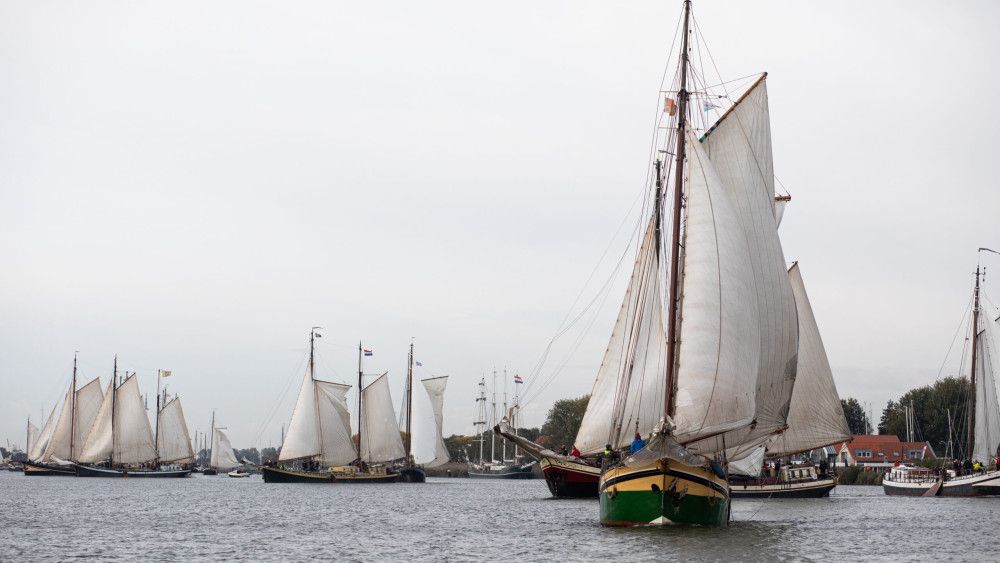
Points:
(517, 379)
(368, 352)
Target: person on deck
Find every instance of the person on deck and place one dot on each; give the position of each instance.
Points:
(967, 467)
(575, 452)
(563, 450)
(637, 444)
(976, 466)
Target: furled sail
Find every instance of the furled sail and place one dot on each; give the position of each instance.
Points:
(336, 445)
(815, 417)
(719, 335)
(987, 430)
(223, 457)
(739, 146)
(42, 441)
(749, 465)
(630, 383)
(173, 443)
(97, 448)
(380, 440)
(133, 436)
(88, 400)
(427, 443)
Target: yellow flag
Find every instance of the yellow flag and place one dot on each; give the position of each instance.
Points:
(165, 373)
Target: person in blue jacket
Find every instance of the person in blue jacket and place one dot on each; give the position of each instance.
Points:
(637, 444)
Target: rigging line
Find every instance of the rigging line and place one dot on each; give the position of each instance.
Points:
(958, 331)
(536, 370)
(276, 404)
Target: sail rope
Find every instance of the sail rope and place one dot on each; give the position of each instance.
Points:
(275, 405)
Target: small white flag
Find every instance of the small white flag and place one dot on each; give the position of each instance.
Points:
(165, 373)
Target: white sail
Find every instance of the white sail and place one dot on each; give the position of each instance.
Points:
(748, 465)
(32, 436)
(173, 443)
(59, 441)
(88, 403)
(97, 448)
(223, 457)
(642, 302)
(69, 434)
(336, 447)
(42, 441)
(302, 438)
(987, 429)
(426, 443)
(133, 436)
(719, 335)
(815, 417)
(380, 440)
(739, 147)
(779, 210)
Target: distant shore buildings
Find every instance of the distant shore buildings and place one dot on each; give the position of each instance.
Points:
(880, 451)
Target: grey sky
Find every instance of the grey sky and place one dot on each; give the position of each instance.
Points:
(192, 186)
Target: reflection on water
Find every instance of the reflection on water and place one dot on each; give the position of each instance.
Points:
(457, 519)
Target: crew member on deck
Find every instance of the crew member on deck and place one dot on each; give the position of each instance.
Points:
(637, 444)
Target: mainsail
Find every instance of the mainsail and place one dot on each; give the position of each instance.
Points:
(173, 443)
(987, 416)
(380, 439)
(815, 417)
(42, 440)
(31, 437)
(97, 447)
(428, 446)
(223, 457)
(320, 425)
(69, 434)
(133, 436)
(739, 147)
(720, 336)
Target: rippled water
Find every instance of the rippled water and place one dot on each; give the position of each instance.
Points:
(456, 519)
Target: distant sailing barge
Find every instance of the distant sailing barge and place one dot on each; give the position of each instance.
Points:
(318, 446)
(504, 468)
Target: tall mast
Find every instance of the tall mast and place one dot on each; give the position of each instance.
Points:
(312, 375)
(27, 438)
(675, 240)
(156, 431)
(114, 407)
(409, 400)
(361, 414)
(503, 413)
(971, 432)
(493, 434)
(481, 416)
(72, 420)
(211, 444)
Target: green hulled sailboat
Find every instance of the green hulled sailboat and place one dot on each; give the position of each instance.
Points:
(702, 359)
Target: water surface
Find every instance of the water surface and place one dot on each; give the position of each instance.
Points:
(457, 519)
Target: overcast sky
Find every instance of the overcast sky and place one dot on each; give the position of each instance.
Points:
(193, 185)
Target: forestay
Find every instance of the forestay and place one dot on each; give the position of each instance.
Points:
(815, 416)
(380, 440)
(739, 146)
(427, 443)
(173, 441)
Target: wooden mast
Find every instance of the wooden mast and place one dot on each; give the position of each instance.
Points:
(675, 240)
(971, 429)
(312, 375)
(156, 427)
(72, 420)
(409, 403)
(114, 406)
(361, 414)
